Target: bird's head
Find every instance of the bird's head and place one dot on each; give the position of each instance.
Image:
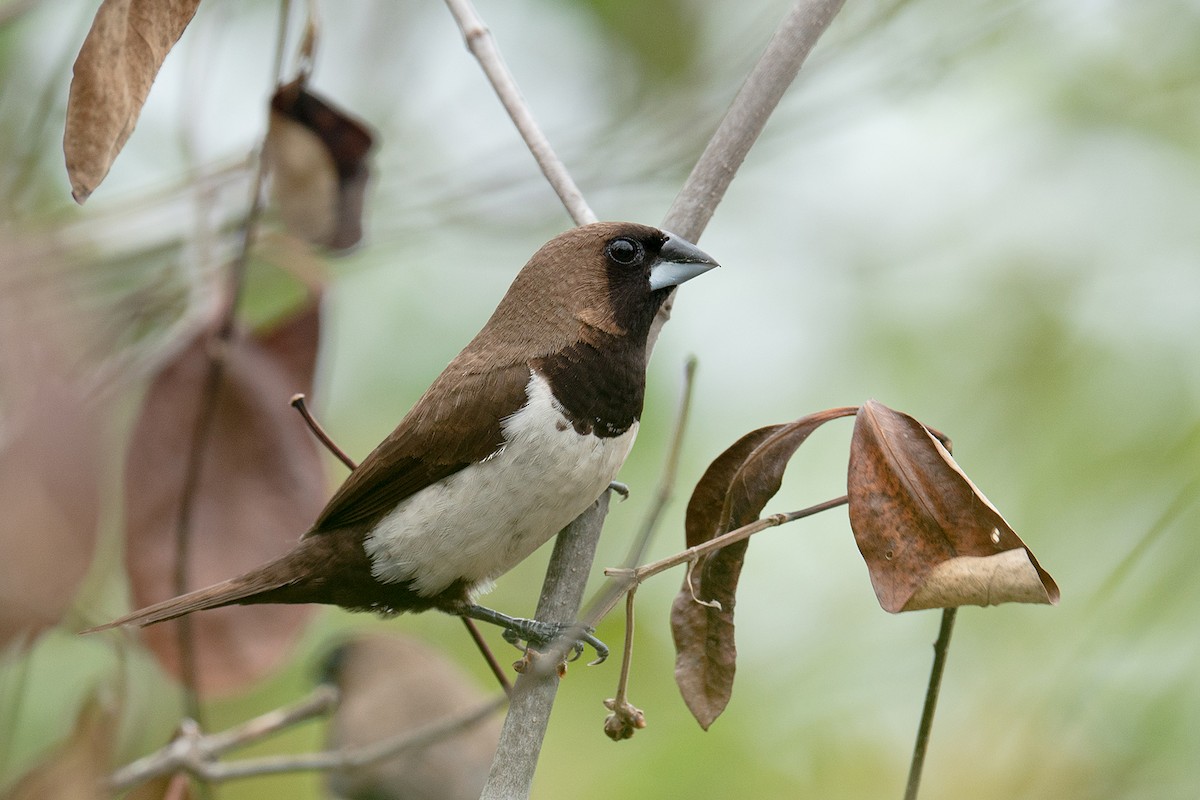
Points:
(608, 276)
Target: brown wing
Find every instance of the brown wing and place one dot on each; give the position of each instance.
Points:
(455, 424)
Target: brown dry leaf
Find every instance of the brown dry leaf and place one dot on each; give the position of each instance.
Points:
(262, 483)
(51, 442)
(49, 488)
(732, 493)
(317, 156)
(75, 769)
(929, 536)
(391, 685)
(119, 59)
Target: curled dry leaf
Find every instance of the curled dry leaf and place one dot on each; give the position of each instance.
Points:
(119, 59)
(731, 493)
(392, 685)
(261, 484)
(317, 156)
(929, 536)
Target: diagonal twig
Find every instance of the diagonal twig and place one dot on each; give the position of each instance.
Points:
(778, 66)
(197, 754)
(482, 45)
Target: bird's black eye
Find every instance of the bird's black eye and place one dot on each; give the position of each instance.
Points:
(625, 251)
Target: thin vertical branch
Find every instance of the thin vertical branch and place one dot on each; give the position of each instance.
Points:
(234, 286)
(940, 648)
(666, 483)
(533, 693)
(482, 45)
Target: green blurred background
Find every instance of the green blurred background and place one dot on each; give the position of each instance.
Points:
(982, 214)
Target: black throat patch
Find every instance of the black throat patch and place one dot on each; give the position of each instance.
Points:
(599, 385)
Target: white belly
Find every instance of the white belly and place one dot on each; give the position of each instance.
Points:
(481, 521)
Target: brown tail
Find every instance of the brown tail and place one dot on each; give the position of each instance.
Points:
(227, 593)
(236, 590)
(329, 568)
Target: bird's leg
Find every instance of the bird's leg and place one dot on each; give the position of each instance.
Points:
(538, 634)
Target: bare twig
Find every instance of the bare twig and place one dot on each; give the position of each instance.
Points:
(533, 693)
(921, 744)
(351, 757)
(744, 121)
(297, 402)
(482, 44)
(628, 578)
(627, 653)
(626, 718)
(191, 748)
(666, 483)
(488, 655)
(196, 754)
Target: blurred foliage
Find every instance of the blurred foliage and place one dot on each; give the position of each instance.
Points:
(983, 215)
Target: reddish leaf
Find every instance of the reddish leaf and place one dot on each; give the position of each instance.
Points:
(117, 64)
(732, 493)
(261, 485)
(51, 445)
(49, 489)
(318, 160)
(391, 686)
(929, 537)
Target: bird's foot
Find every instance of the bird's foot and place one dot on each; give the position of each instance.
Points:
(540, 635)
(620, 488)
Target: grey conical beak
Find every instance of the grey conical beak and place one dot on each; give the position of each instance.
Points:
(679, 260)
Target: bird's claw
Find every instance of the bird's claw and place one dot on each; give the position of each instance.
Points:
(540, 635)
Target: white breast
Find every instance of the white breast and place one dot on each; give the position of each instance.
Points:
(481, 521)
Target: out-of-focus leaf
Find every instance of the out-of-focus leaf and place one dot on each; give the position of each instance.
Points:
(929, 536)
(317, 155)
(261, 485)
(732, 493)
(49, 490)
(51, 448)
(75, 769)
(113, 73)
(391, 685)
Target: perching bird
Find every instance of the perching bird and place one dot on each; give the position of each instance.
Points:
(518, 436)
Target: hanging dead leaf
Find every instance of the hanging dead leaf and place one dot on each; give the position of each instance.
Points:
(317, 157)
(929, 536)
(116, 66)
(732, 493)
(390, 685)
(261, 485)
